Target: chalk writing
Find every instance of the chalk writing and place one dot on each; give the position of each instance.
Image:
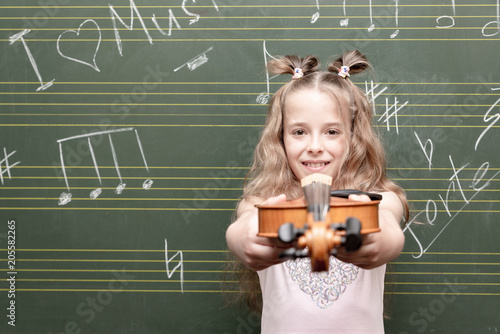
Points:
(372, 26)
(396, 14)
(114, 16)
(20, 37)
(452, 20)
(171, 20)
(65, 198)
(8, 166)
(180, 265)
(196, 62)
(431, 208)
(395, 109)
(487, 118)
(263, 98)
(345, 21)
(370, 92)
(77, 32)
(494, 23)
(315, 16)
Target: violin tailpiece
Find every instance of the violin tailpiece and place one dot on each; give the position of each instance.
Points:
(317, 189)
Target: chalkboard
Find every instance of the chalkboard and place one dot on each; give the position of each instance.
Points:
(127, 128)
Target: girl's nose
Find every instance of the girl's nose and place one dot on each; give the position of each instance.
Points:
(315, 145)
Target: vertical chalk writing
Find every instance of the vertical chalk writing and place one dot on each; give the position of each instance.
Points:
(77, 32)
(487, 118)
(495, 23)
(171, 19)
(8, 166)
(315, 16)
(65, 198)
(263, 98)
(114, 16)
(372, 26)
(451, 18)
(196, 62)
(179, 265)
(394, 114)
(196, 16)
(345, 21)
(428, 155)
(396, 14)
(20, 36)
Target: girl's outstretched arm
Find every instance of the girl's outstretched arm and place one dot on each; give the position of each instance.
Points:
(255, 252)
(384, 246)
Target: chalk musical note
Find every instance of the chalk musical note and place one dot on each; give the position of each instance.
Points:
(8, 166)
(315, 16)
(263, 98)
(372, 26)
(447, 17)
(65, 198)
(496, 22)
(344, 22)
(196, 62)
(20, 36)
(77, 32)
(396, 14)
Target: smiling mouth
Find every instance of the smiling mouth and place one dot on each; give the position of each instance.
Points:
(315, 164)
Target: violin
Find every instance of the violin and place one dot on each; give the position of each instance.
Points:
(321, 222)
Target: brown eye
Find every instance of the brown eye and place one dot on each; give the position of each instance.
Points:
(332, 132)
(299, 132)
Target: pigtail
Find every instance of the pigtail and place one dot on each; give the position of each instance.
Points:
(288, 64)
(354, 60)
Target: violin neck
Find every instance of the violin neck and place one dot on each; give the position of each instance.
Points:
(317, 189)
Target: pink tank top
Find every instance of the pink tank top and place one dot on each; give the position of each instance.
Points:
(346, 299)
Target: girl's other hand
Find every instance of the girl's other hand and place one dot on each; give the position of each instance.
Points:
(255, 252)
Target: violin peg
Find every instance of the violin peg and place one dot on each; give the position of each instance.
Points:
(293, 253)
(352, 239)
(286, 232)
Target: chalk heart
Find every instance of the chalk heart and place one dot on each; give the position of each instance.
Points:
(323, 287)
(77, 32)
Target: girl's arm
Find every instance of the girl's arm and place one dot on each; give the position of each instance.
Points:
(255, 252)
(384, 246)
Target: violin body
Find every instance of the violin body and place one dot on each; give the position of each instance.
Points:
(318, 240)
(271, 217)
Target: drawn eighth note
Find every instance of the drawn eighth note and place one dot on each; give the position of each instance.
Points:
(65, 198)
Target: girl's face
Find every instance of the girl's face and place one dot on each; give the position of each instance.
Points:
(313, 134)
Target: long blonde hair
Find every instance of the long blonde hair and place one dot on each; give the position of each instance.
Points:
(363, 166)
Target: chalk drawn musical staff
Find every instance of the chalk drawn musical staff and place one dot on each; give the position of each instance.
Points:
(196, 62)
(8, 166)
(65, 197)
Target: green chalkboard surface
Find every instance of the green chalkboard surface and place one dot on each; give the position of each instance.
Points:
(127, 128)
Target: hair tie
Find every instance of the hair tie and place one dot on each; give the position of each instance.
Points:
(344, 71)
(297, 73)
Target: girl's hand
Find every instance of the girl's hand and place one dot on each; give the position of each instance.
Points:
(384, 246)
(255, 252)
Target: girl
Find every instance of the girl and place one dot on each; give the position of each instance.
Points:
(319, 122)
